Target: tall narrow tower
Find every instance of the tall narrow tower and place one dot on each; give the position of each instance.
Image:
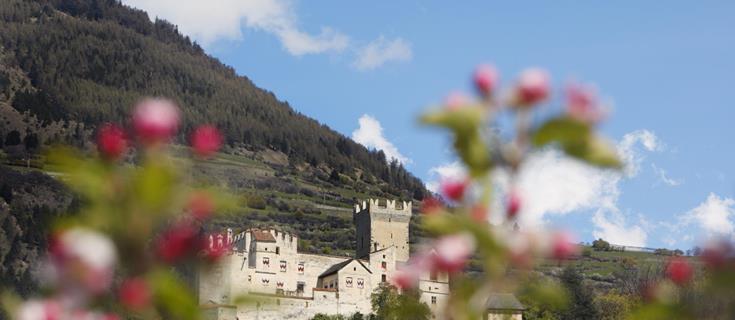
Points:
(381, 225)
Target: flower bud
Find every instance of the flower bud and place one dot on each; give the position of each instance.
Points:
(679, 271)
(206, 140)
(452, 252)
(155, 120)
(582, 104)
(456, 100)
(135, 294)
(532, 87)
(454, 190)
(514, 204)
(111, 141)
(405, 278)
(717, 255)
(82, 258)
(178, 242)
(486, 79)
(40, 310)
(562, 246)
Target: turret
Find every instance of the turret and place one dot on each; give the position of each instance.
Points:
(381, 224)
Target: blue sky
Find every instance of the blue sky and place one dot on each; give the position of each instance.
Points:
(665, 66)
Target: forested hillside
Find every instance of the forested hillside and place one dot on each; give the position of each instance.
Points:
(89, 60)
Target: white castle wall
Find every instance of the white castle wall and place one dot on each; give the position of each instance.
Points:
(272, 271)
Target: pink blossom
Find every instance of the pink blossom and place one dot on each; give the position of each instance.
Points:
(452, 252)
(532, 87)
(454, 190)
(717, 255)
(155, 120)
(406, 278)
(456, 100)
(582, 104)
(135, 294)
(513, 205)
(562, 246)
(40, 310)
(679, 270)
(206, 140)
(486, 79)
(176, 243)
(82, 257)
(111, 141)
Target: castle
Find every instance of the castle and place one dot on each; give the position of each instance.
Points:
(267, 264)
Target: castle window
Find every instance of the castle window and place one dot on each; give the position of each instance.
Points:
(278, 250)
(266, 262)
(384, 265)
(283, 266)
(383, 278)
(348, 282)
(433, 299)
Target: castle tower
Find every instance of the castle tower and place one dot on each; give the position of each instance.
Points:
(380, 225)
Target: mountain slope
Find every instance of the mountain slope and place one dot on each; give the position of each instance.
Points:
(89, 60)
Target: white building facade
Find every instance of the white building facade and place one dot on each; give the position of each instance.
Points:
(265, 264)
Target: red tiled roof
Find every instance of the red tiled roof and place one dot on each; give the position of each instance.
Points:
(263, 236)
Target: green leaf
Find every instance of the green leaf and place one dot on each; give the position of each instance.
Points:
(564, 130)
(465, 123)
(577, 140)
(173, 296)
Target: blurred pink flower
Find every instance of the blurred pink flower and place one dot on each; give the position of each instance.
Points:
(563, 246)
(176, 243)
(454, 190)
(582, 104)
(82, 258)
(155, 120)
(135, 294)
(456, 100)
(111, 141)
(40, 310)
(718, 255)
(486, 79)
(679, 270)
(453, 251)
(514, 204)
(532, 87)
(406, 278)
(206, 140)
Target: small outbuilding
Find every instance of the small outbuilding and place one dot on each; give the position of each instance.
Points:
(504, 306)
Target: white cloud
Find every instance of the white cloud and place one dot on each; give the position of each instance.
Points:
(370, 134)
(381, 51)
(209, 21)
(552, 184)
(661, 173)
(612, 227)
(629, 149)
(714, 216)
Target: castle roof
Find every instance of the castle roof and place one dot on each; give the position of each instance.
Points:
(504, 301)
(335, 268)
(263, 236)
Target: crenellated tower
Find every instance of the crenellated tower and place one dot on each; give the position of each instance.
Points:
(380, 224)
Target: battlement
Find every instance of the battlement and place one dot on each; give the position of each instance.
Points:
(384, 206)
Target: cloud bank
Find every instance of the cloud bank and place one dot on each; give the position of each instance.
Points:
(370, 134)
(552, 184)
(209, 21)
(381, 51)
